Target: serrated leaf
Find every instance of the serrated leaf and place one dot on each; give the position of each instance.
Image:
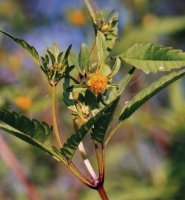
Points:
(102, 124)
(72, 143)
(154, 58)
(149, 92)
(31, 131)
(91, 12)
(27, 47)
(84, 58)
(101, 47)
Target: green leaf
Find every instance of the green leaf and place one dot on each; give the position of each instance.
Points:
(84, 58)
(102, 124)
(31, 131)
(28, 48)
(91, 99)
(149, 92)
(91, 12)
(101, 47)
(116, 67)
(154, 58)
(72, 143)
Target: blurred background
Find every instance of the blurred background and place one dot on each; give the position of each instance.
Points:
(146, 158)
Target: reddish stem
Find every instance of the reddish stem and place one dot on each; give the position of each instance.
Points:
(102, 193)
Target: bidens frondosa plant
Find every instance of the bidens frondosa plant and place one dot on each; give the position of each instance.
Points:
(90, 94)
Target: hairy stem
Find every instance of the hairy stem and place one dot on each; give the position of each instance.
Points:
(54, 116)
(102, 193)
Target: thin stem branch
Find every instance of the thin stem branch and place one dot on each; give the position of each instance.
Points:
(102, 172)
(54, 116)
(102, 193)
(112, 133)
(97, 156)
(87, 162)
(80, 176)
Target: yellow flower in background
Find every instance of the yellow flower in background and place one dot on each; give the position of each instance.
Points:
(24, 102)
(77, 17)
(97, 83)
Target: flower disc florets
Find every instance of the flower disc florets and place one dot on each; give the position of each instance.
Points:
(97, 83)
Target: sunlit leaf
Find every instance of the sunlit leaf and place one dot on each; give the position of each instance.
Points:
(154, 58)
(101, 47)
(84, 58)
(91, 11)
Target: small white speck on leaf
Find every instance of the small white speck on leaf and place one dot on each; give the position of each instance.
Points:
(161, 67)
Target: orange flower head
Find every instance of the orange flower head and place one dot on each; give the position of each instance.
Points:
(23, 102)
(97, 83)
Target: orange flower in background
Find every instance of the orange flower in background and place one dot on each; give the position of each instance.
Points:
(97, 83)
(77, 17)
(23, 102)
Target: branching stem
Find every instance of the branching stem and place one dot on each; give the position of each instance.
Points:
(97, 156)
(80, 176)
(87, 162)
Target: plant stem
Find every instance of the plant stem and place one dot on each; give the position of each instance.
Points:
(54, 116)
(80, 176)
(102, 193)
(97, 156)
(102, 172)
(87, 162)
